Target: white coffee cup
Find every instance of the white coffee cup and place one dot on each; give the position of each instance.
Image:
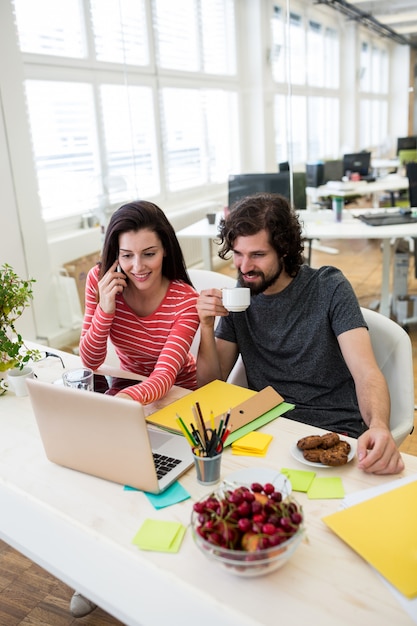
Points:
(79, 378)
(16, 380)
(236, 299)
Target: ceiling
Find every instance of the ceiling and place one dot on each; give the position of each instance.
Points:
(396, 19)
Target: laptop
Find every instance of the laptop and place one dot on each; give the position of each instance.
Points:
(107, 437)
(387, 219)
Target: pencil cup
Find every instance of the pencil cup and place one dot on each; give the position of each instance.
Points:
(208, 469)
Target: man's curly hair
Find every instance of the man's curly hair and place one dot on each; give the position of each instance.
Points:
(270, 212)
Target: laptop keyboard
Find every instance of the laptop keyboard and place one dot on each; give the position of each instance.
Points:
(164, 464)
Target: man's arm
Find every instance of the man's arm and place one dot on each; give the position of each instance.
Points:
(377, 451)
(216, 357)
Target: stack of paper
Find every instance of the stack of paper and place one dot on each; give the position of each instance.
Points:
(252, 444)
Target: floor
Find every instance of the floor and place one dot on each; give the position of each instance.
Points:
(31, 596)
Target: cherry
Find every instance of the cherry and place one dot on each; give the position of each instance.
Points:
(256, 507)
(296, 518)
(244, 524)
(268, 528)
(244, 508)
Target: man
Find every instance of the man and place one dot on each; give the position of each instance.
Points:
(303, 333)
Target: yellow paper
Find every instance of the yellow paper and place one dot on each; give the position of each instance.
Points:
(383, 530)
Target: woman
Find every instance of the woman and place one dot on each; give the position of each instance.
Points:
(141, 297)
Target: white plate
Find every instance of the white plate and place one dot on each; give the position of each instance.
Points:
(298, 454)
(262, 475)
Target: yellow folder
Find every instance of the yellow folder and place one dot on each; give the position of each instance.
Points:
(383, 530)
(218, 396)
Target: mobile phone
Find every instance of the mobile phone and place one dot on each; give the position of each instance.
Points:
(118, 268)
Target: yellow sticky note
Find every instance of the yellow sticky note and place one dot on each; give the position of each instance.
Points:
(252, 444)
(159, 536)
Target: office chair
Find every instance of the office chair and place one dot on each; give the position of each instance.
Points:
(393, 353)
(207, 279)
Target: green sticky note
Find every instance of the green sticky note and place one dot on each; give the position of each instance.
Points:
(300, 479)
(326, 488)
(159, 536)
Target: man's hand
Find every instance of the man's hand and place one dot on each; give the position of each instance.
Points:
(377, 452)
(209, 306)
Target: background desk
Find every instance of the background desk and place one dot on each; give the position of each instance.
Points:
(206, 233)
(322, 225)
(80, 529)
(388, 184)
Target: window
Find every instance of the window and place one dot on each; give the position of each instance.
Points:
(307, 118)
(62, 122)
(374, 71)
(120, 32)
(59, 35)
(106, 122)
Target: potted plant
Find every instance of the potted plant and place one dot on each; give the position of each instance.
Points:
(15, 296)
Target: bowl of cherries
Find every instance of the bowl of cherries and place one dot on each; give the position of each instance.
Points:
(249, 530)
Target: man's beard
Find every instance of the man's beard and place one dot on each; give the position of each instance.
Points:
(264, 284)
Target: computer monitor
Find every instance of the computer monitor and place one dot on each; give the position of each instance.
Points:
(358, 162)
(332, 170)
(241, 185)
(406, 143)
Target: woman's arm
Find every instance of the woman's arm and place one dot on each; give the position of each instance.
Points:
(96, 325)
(174, 355)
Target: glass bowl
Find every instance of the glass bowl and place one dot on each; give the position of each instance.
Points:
(256, 547)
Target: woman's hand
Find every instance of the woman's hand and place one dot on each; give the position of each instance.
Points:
(109, 286)
(125, 396)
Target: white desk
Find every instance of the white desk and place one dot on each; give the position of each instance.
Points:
(321, 225)
(389, 183)
(80, 529)
(206, 233)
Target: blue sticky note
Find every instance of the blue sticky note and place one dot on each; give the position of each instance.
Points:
(175, 493)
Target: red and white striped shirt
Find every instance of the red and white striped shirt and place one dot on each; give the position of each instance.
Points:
(156, 346)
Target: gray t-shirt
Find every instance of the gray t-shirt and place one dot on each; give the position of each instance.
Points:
(289, 341)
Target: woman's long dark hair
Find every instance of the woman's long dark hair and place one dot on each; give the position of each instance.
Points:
(135, 216)
(270, 212)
